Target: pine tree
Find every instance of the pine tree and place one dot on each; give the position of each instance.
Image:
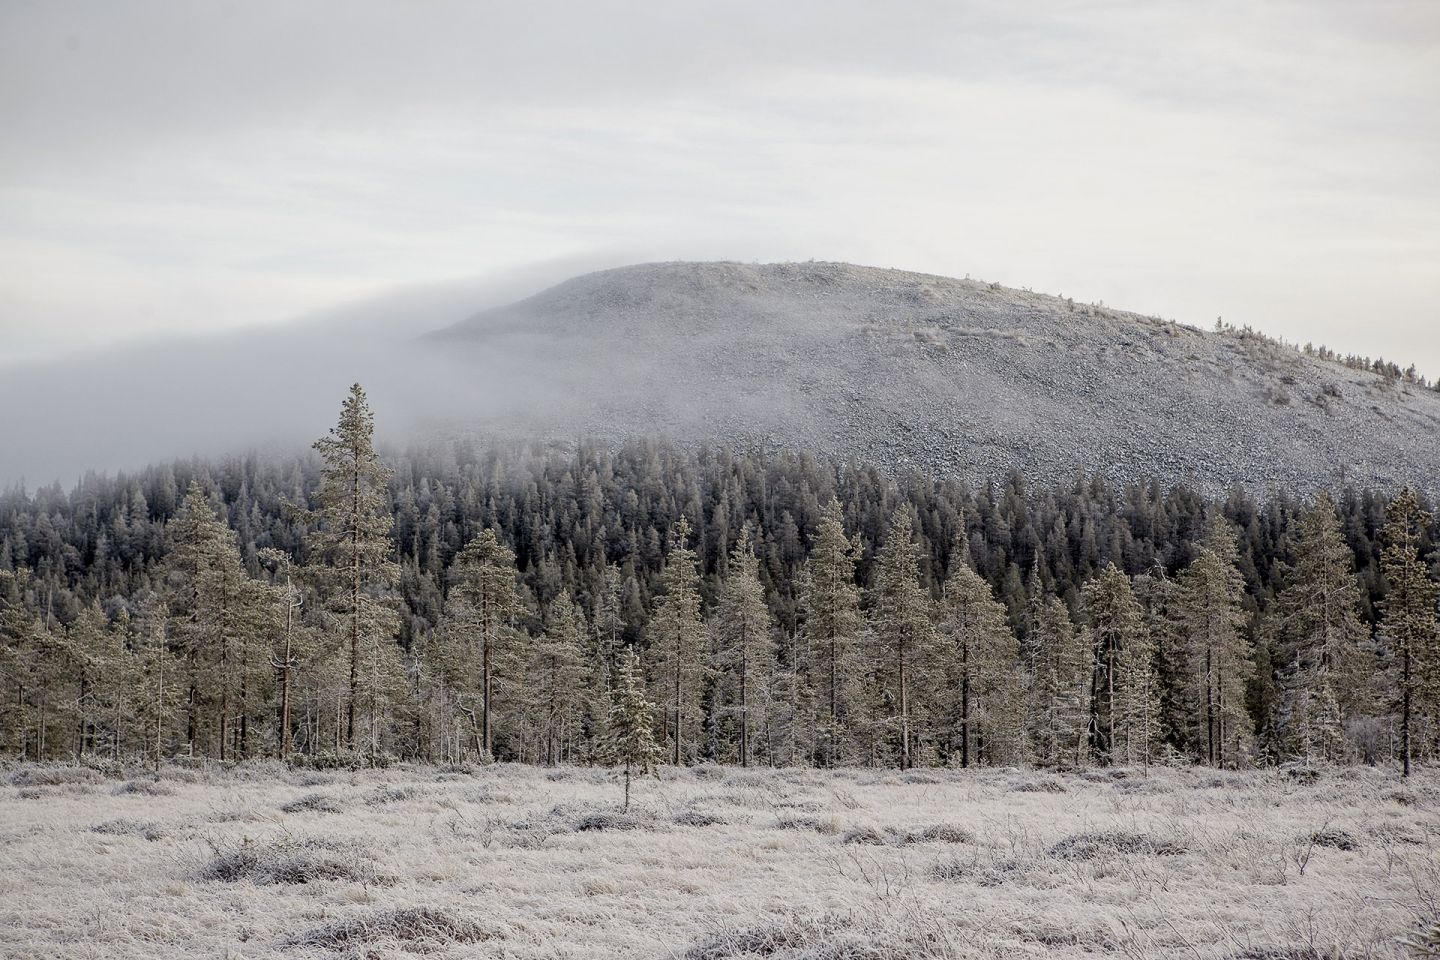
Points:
(288, 596)
(1058, 685)
(983, 658)
(1158, 594)
(485, 644)
(744, 638)
(1315, 623)
(903, 630)
(676, 633)
(1124, 698)
(558, 678)
(95, 662)
(217, 613)
(1210, 617)
(157, 688)
(354, 540)
(1408, 616)
(632, 724)
(833, 631)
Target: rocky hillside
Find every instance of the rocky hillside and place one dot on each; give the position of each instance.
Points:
(955, 377)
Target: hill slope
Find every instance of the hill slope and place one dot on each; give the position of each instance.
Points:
(954, 377)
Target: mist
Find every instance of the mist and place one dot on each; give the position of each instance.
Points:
(272, 389)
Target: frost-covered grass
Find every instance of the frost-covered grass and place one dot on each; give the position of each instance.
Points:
(517, 862)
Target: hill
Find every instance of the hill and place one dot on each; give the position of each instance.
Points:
(953, 377)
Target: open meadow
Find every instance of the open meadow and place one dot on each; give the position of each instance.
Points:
(523, 862)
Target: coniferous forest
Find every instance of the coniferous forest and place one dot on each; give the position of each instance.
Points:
(644, 603)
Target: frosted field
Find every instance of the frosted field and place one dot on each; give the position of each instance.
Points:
(712, 863)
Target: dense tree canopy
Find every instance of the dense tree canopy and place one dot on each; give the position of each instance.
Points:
(466, 599)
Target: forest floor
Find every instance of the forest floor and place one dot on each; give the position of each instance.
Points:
(711, 863)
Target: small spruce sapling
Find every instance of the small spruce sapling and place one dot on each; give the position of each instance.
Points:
(632, 719)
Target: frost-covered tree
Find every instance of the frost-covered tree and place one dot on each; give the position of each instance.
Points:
(745, 640)
(677, 633)
(218, 615)
(833, 630)
(1210, 615)
(1124, 696)
(558, 678)
(287, 596)
(1408, 619)
(903, 631)
(632, 724)
(354, 542)
(484, 645)
(1315, 624)
(157, 691)
(982, 687)
(1059, 682)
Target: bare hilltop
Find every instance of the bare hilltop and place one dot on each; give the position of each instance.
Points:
(952, 377)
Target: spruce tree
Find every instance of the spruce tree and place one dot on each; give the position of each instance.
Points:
(1408, 617)
(745, 639)
(904, 633)
(833, 629)
(1210, 617)
(354, 541)
(632, 724)
(676, 634)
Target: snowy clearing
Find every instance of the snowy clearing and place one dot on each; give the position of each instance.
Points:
(711, 863)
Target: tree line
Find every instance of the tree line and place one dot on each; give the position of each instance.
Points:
(467, 601)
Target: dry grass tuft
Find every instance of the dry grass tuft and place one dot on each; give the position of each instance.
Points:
(53, 776)
(1038, 785)
(312, 803)
(1110, 843)
(123, 827)
(414, 929)
(290, 861)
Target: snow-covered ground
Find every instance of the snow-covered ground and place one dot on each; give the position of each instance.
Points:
(520, 862)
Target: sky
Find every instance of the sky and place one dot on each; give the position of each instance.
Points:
(180, 169)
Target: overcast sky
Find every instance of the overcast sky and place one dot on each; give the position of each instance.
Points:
(192, 166)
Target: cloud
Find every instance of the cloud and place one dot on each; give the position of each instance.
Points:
(179, 169)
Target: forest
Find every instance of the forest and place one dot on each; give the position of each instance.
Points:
(642, 603)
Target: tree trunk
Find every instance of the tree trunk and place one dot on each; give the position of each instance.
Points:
(744, 703)
(964, 705)
(904, 715)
